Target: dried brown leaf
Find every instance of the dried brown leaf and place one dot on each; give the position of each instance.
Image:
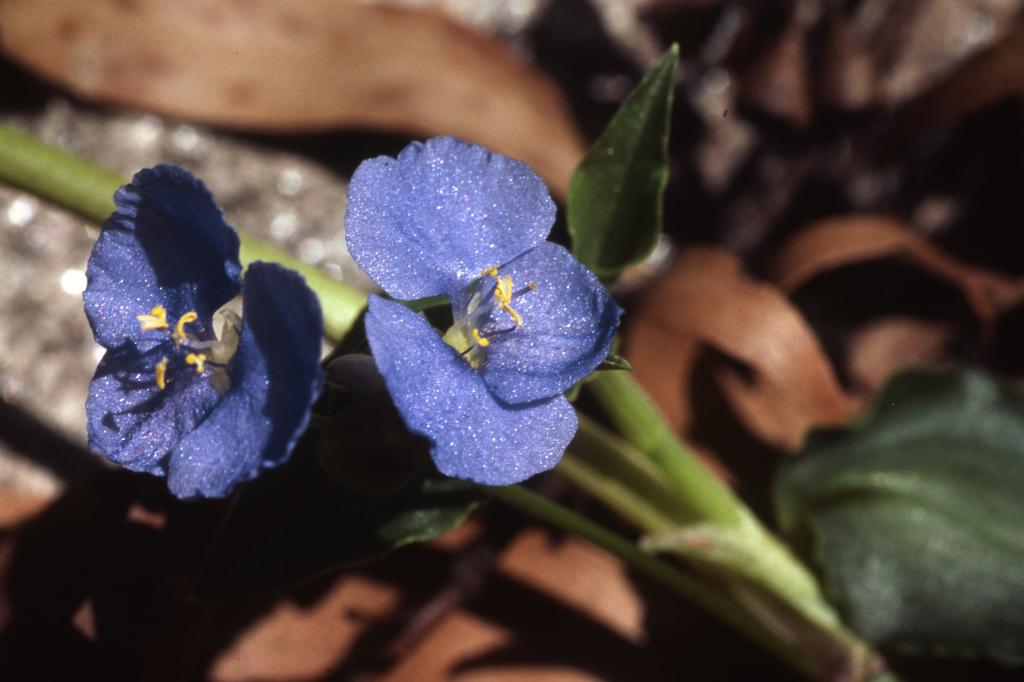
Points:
(580, 575)
(920, 42)
(18, 507)
(706, 297)
(779, 83)
(848, 76)
(459, 637)
(767, 408)
(881, 347)
(835, 242)
(295, 642)
(990, 76)
(279, 65)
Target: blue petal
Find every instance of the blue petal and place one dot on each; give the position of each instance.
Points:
(133, 422)
(167, 244)
(430, 221)
(569, 323)
(275, 377)
(440, 396)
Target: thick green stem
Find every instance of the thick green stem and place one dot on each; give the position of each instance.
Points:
(87, 189)
(625, 479)
(684, 510)
(639, 420)
(664, 573)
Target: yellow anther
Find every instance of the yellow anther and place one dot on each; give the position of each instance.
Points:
(503, 292)
(481, 341)
(493, 272)
(196, 360)
(515, 316)
(157, 319)
(532, 285)
(161, 373)
(503, 289)
(179, 330)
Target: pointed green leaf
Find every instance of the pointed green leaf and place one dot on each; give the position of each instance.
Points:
(915, 512)
(616, 195)
(295, 522)
(614, 361)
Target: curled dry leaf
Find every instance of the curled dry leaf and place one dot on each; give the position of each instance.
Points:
(779, 83)
(848, 74)
(835, 242)
(881, 347)
(922, 42)
(993, 74)
(285, 66)
(17, 507)
(300, 641)
(706, 298)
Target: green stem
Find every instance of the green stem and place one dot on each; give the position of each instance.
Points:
(639, 420)
(684, 510)
(87, 189)
(341, 303)
(625, 479)
(664, 573)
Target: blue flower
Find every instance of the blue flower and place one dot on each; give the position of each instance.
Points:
(451, 218)
(169, 397)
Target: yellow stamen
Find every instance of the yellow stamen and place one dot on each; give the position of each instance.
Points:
(532, 285)
(179, 330)
(196, 360)
(503, 288)
(481, 341)
(157, 319)
(493, 272)
(503, 292)
(161, 372)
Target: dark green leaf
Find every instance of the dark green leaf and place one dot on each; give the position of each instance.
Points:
(614, 361)
(295, 522)
(615, 197)
(915, 512)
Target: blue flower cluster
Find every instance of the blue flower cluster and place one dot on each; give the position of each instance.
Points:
(170, 397)
(451, 218)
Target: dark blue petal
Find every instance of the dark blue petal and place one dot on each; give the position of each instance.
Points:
(167, 244)
(133, 422)
(430, 221)
(569, 323)
(440, 396)
(275, 377)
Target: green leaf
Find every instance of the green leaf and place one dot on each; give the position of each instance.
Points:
(611, 362)
(295, 522)
(614, 361)
(915, 512)
(615, 198)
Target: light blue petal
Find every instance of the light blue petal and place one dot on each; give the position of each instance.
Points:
(428, 222)
(569, 322)
(440, 396)
(167, 244)
(275, 378)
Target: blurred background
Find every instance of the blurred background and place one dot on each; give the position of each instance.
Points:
(844, 201)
